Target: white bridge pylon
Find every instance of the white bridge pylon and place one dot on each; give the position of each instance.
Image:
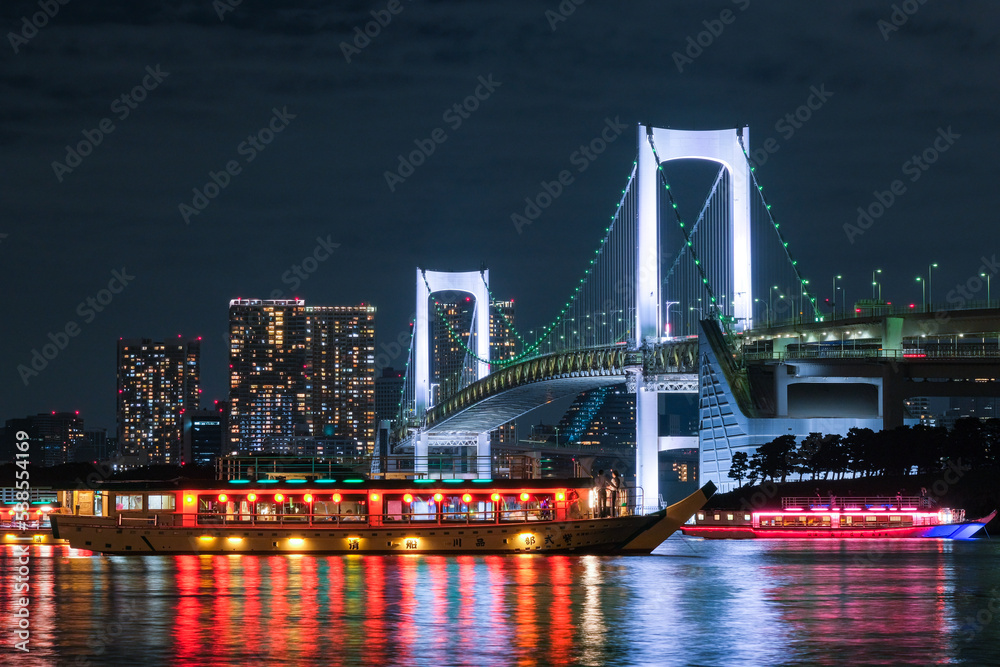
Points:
(474, 283)
(722, 146)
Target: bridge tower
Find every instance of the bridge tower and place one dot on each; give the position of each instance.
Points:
(720, 146)
(474, 283)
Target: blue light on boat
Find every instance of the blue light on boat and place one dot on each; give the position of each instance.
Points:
(325, 481)
(353, 481)
(295, 481)
(239, 481)
(267, 481)
(482, 481)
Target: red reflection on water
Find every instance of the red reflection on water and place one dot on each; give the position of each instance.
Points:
(526, 613)
(187, 628)
(305, 607)
(879, 585)
(335, 588)
(468, 630)
(375, 608)
(437, 570)
(253, 619)
(561, 612)
(408, 608)
(222, 610)
(277, 573)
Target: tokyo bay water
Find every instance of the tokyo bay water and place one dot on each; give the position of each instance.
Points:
(692, 602)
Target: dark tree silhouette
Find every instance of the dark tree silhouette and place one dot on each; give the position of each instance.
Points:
(740, 467)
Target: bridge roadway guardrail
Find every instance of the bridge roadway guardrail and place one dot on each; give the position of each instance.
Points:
(678, 356)
(908, 354)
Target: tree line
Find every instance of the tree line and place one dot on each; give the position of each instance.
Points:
(865, 453)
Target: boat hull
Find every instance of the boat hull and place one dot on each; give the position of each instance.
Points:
(627, 535)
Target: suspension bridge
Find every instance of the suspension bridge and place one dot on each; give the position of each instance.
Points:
(709, 256)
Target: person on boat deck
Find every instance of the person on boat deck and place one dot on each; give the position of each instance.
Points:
(574, 505)
(613, 485)
(601, 486)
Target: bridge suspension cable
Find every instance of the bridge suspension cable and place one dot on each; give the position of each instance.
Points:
(717, 309)
(697, 223)
(801, 281)
(597, 311)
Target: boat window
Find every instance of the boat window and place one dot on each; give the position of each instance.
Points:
(870, 517)
(98, 503)
(729, 517)
(701, 516)
(746, 517)
(895, 517)
(129, 502)
(162, 502)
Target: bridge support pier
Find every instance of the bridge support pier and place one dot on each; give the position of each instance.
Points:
(483, 456)
(421, 447)
(647, 473)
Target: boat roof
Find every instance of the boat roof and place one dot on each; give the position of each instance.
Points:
(350, 482)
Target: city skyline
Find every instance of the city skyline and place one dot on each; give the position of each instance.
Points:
(207, 184)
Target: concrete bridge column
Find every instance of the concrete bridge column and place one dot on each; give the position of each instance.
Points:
(647, 472)
(484, 469)
(892, 333)
(779, 345)
(781, 382)
(420, 450)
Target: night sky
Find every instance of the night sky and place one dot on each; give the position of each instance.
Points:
(199, 88)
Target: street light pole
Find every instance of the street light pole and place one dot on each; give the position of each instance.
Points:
(874, 283)
(987, 276)
(923, 291)
(770, 303)
(667, 314)
(834, 295)
(930, 285)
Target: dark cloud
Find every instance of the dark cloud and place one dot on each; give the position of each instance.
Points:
(324, 174)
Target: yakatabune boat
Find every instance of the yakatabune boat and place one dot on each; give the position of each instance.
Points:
(816, 518)
(451, 516)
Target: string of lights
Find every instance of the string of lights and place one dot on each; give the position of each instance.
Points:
(546, 332)
(784, 244)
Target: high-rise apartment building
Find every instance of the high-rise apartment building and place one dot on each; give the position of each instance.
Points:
(267, 373)
(341, 367)
(300, 371)
(388, 389)
(202, 436)
(503, 345)
(54, 437)
(451, 334)
(157, 381)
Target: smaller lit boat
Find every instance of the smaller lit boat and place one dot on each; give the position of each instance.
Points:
(842, 518)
